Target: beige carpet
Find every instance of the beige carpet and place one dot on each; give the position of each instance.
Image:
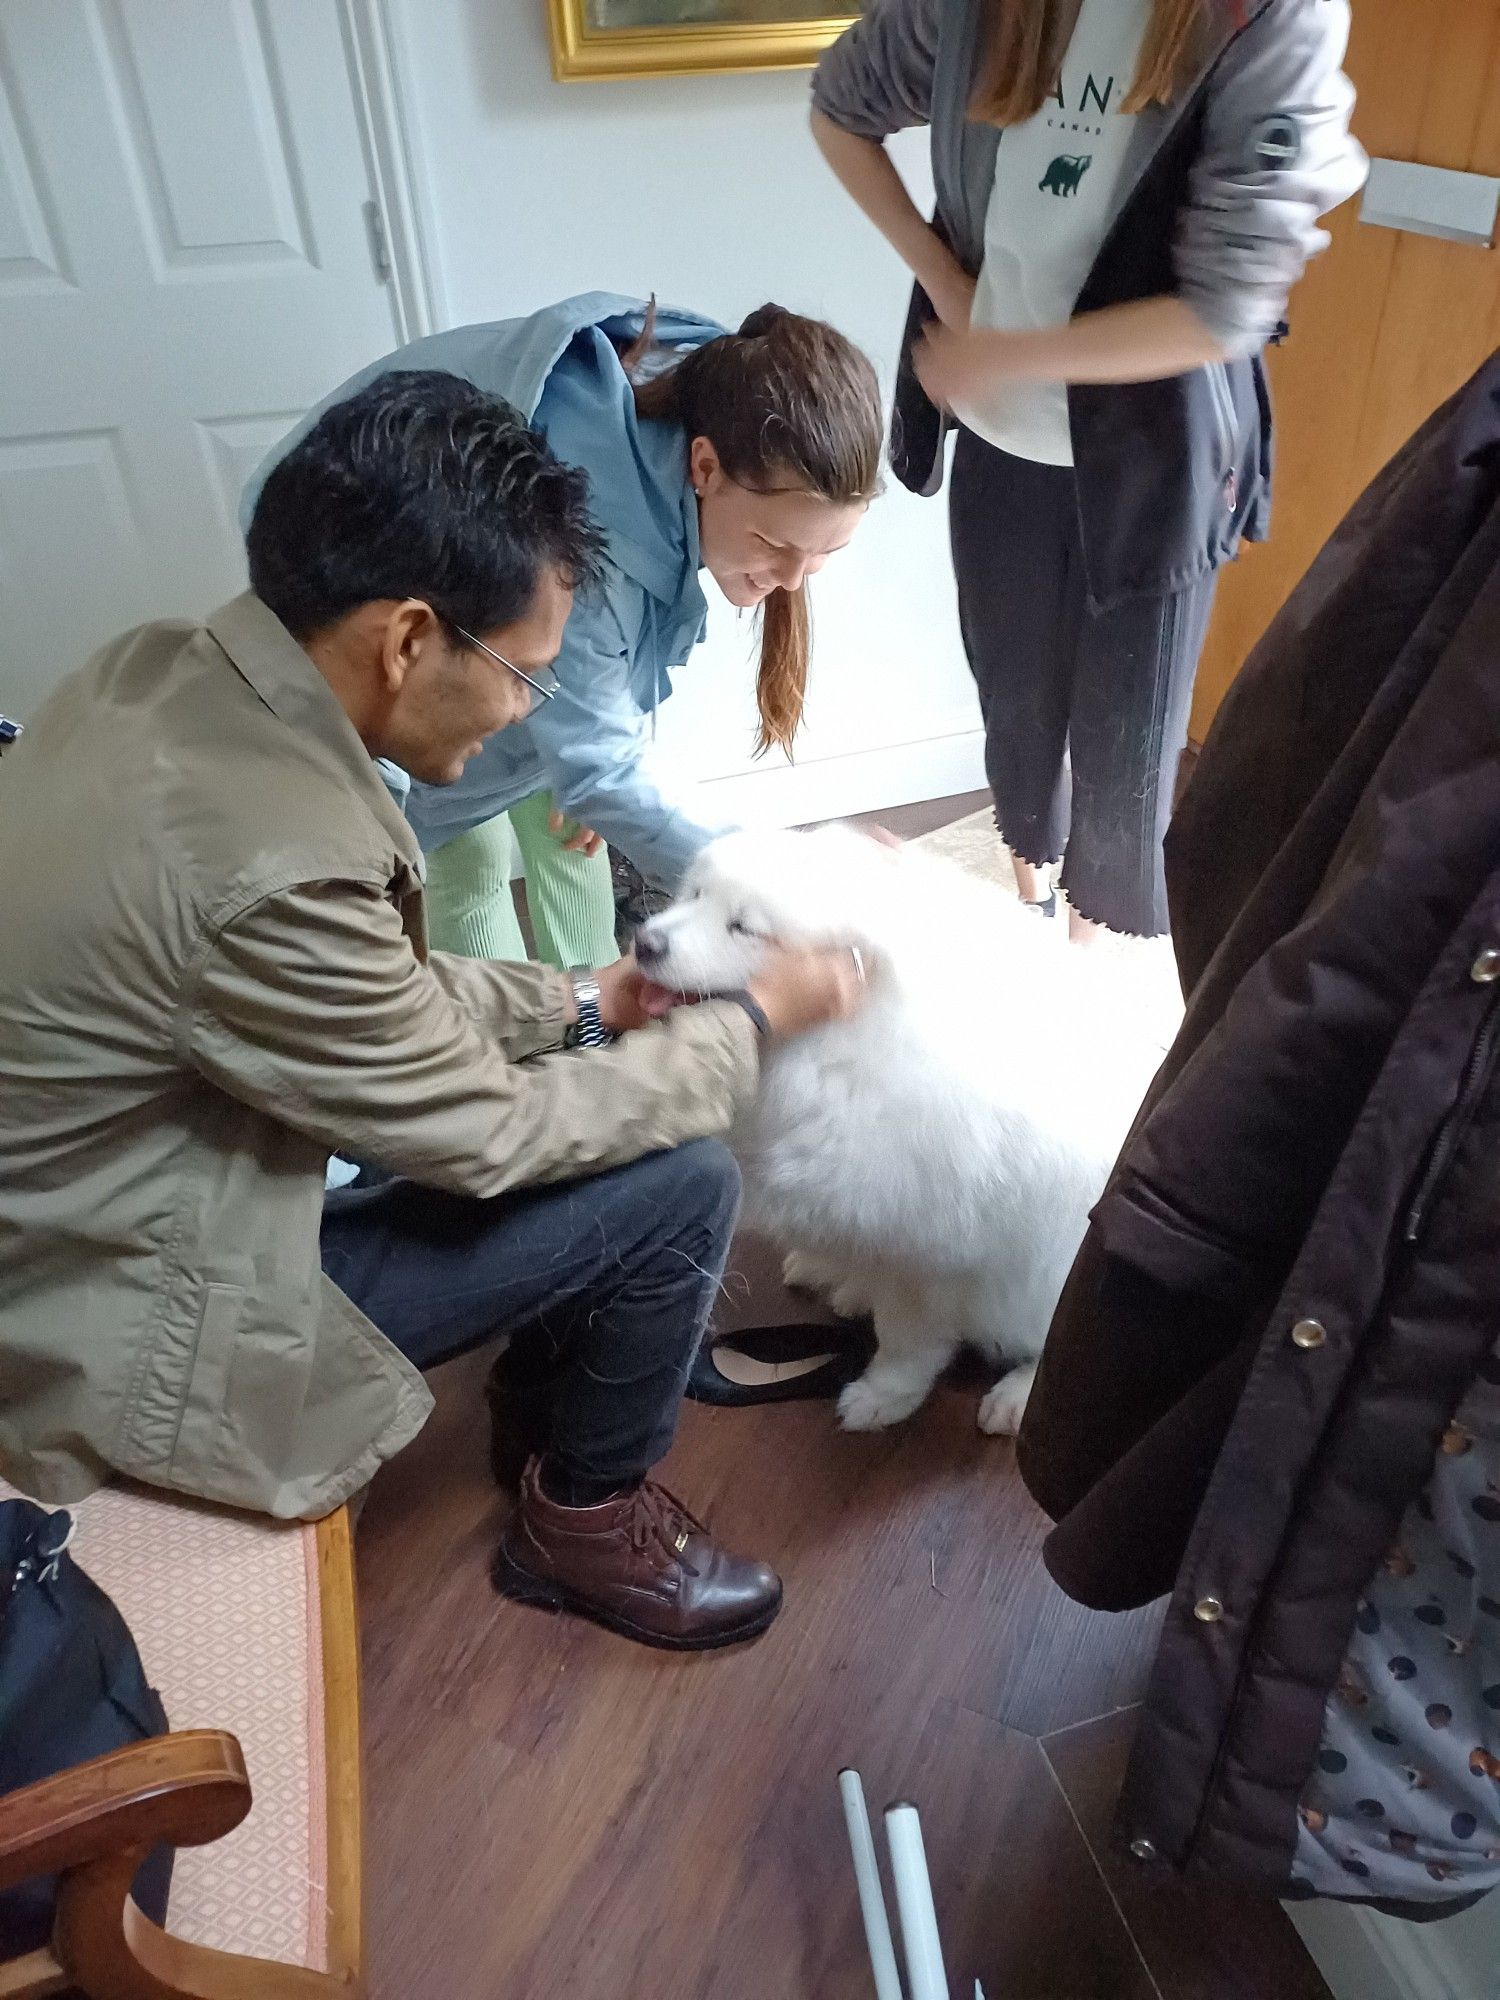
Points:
(1145, 968)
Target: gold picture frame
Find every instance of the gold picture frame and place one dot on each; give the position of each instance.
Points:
(658, 38)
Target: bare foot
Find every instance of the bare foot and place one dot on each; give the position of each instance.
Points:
(1034, 885)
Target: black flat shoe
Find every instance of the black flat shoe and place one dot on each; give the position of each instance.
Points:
(781, 1364)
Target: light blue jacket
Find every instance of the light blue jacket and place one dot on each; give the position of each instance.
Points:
(560, 367)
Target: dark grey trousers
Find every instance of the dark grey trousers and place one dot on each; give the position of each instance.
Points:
(1085, 712)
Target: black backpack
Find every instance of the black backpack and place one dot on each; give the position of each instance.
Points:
(71, 1687)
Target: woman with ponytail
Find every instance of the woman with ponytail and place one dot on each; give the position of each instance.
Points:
(752, 455)
(1127, 192)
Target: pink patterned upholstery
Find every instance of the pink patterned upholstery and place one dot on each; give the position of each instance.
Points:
(225, 1610)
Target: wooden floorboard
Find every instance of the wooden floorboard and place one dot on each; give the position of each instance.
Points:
(555, 1814)
(1194, 1937)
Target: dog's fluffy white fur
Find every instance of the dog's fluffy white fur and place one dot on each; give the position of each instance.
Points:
(933, 1160)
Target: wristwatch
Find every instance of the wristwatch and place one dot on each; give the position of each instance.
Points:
(588, 1031)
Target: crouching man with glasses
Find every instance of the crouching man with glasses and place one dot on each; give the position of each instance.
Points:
(214, 975)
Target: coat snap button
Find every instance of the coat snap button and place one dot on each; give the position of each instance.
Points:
(1486, 968)
(1309, 1333)
(1208, 1611)
(1143, 1850)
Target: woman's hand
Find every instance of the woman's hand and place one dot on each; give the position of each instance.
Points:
(866, 170)
(951, 290)
(575, 839)
(1144, 341)
(959, 367)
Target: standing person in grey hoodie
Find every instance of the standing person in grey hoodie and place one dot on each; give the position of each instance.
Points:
(1127, 191)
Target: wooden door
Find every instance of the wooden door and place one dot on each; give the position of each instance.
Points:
(1385, 326)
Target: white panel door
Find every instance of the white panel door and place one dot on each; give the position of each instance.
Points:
(185, 265)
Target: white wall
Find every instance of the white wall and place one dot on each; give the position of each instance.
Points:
(1365, 1956)
(709, 192)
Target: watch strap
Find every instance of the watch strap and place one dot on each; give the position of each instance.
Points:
(589, 1031)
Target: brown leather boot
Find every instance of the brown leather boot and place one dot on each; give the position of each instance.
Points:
(639, 1564)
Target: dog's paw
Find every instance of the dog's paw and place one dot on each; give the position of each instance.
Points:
(865, 1406)
(801, 1273)
(1001, 1411)
(849, 1302)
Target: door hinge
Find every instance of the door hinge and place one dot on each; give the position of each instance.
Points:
(380, 249)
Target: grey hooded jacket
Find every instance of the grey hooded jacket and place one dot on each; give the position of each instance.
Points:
(1219, 203)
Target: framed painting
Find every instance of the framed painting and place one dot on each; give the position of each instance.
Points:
(596, 39)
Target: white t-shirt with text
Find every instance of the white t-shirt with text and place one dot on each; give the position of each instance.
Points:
(1056, 178)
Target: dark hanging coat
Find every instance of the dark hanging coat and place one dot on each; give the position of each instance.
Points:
(1294, 1274)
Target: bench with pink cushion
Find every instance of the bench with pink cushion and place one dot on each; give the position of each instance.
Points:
(247, 1629)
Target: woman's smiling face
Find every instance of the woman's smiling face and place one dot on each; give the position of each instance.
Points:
(756, 542)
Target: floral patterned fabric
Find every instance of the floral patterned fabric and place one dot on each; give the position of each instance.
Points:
(1404, 1800)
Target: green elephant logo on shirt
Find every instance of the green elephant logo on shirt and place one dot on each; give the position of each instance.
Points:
(1065, 172)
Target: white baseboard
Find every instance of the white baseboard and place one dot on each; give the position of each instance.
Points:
(861, 781)
(1365, 1956)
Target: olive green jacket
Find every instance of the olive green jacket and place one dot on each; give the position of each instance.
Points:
(213, 974)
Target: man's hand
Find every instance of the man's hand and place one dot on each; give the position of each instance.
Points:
(575, 839)
(626, 996)
(797, 989)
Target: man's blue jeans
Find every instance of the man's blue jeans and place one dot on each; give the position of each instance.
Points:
(603, 1286)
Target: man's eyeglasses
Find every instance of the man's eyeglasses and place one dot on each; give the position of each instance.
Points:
(546, 689)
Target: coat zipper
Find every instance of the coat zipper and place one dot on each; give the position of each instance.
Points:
(1218, 379)
(1450, 1133)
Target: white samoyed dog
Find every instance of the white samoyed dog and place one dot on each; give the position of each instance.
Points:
(931, 1161)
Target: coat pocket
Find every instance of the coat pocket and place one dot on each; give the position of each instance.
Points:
(207, 1380)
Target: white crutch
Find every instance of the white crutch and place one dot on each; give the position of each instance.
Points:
(920, 1944)
(871, 1896)
(921, 1947)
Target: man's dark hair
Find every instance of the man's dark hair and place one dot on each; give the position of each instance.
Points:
(419, 485)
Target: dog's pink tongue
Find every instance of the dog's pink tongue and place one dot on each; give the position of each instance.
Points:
(657, 1001)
